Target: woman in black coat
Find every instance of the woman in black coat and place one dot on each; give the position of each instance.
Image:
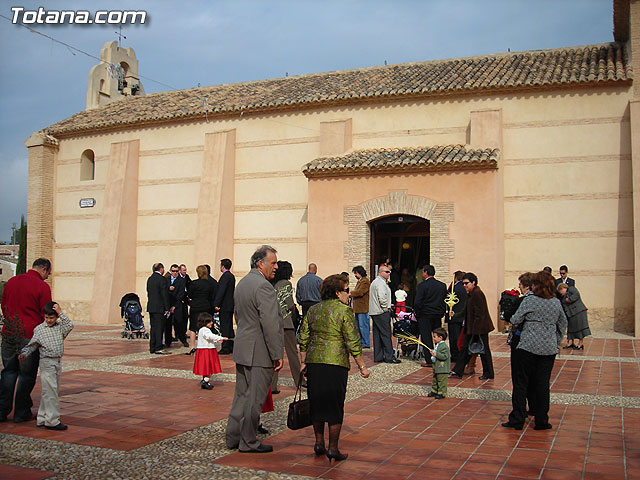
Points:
(201, 295)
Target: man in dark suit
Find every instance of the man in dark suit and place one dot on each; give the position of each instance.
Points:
(564, 278)
(258, 350)
(456, 316)
(214, 285)
(429, 307)
(177, 294)
(185, 275)
(223, 304)
(185, 311)
(158, 307)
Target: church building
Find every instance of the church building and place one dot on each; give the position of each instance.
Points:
(494, 164)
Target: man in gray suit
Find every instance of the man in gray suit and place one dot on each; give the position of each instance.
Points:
(258, 350)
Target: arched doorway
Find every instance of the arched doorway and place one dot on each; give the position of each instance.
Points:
(405, 240)
(358, 248)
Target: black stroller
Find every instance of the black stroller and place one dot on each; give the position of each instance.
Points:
(131, 311)
(405, 323)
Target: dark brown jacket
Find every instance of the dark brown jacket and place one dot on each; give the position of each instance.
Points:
(360, 295)
(478, 321)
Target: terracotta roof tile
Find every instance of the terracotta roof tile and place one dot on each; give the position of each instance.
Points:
(403, 160)
(593, 64)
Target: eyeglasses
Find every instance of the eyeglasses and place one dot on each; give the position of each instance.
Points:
(466, 283)
(345, 290)
(175, 271)
(385, 271)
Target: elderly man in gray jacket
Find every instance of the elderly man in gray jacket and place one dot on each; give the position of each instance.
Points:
(380, 312)
(258, 350)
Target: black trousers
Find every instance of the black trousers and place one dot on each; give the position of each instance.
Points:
(454, 335)
(531, 401)
(306, 306)
(531, 371)
(382, 347)
(168, 330)
(177, 321)
(226, 329)
(18, 376)
(157, 322)
(426, 324)
(463, 358)
(180, 322)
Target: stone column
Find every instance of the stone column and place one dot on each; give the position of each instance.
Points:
(216, 205)
(486, 132)
(633, 49)
(335, 137)
(116, 256)
(634, 107)
(43, 150)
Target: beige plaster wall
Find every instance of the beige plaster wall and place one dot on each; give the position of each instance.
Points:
(568, 197)
(470, 227)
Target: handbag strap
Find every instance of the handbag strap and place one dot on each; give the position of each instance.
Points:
(299, 389)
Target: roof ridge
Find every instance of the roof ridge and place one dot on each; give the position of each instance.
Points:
(376, 67)
(404, 160)
(601, 63)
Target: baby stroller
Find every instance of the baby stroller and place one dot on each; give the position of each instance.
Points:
(131, 311)
(405, 323)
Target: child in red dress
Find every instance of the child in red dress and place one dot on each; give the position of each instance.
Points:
(207, 362)
(401, 297)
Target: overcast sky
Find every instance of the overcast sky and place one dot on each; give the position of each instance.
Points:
(186, 43)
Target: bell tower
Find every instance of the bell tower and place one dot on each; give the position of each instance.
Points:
(115, 78)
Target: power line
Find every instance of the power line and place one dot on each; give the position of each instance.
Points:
(72, 49)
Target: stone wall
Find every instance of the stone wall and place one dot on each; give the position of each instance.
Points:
(357, 249)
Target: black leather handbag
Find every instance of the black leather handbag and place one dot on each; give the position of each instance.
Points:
(299, 415)
(476, 347)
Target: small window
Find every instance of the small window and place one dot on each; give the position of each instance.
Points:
(87, 165)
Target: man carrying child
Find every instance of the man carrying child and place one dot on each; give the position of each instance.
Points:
(48, 338)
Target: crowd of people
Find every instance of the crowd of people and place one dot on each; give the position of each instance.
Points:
(333, 325)
(173, 298)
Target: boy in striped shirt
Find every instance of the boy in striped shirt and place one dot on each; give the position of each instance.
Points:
(49, 338)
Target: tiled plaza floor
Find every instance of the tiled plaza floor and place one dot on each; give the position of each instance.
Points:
(134, 415)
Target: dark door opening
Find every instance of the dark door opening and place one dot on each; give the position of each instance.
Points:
(404, 240)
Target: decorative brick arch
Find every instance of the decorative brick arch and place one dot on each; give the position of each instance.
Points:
(357, 249)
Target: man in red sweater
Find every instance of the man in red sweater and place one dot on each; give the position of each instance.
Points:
(23, 301)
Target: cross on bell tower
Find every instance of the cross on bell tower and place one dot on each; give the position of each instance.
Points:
(120, 36)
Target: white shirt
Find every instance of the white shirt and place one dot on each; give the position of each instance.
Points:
(401, 295)
(207, 339)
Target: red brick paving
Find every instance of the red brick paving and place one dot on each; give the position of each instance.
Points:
(408, 437)
(11, 472)
(593, 377)
(90, 348)
(387, 436)
(101, 408)
(185, 362)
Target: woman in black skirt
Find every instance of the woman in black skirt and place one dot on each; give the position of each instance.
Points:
(328, 335)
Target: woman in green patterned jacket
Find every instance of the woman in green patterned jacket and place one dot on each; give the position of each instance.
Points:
(328, 335)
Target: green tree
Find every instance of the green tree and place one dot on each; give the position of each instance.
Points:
(22, 251)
